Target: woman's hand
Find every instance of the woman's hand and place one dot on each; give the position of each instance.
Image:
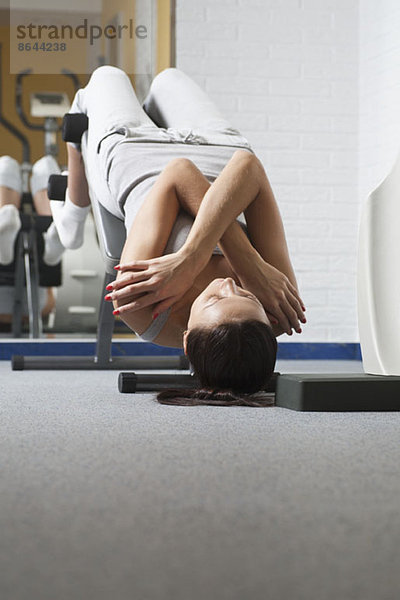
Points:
(278, 296)
(161, 281)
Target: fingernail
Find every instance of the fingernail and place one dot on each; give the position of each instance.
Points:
(117, 267)
(303, 307)
(108, 297)
(155, 316)
(116, 312)
(109, 287)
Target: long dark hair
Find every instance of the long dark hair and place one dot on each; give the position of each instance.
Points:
(233, 363)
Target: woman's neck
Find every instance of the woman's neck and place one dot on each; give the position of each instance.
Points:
(181, 309)
(217, 266)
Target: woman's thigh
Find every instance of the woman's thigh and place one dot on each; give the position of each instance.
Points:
(175, 100)
(110, 103)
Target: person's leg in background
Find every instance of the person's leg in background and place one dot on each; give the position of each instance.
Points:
(111, 104)
(10, 202)
(53, 248)
(41, 171)
(10, 223)
(70, 216)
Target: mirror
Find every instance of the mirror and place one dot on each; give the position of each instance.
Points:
(61, 47)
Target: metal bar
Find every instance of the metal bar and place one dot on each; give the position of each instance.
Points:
(27, 265)
(88, 363)
(34, 277)
(105, 327)
(18, 288)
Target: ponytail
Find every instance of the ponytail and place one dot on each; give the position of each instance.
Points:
(191, 397)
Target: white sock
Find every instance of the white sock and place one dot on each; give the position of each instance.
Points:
(41, 171)
(10, 224)
(69, 220)
(53, 248)
(10, 173)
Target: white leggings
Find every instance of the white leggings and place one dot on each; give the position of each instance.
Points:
(174, 100)
(175, 105)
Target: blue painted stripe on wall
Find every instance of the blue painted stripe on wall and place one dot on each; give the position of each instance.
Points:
(319, 351)
(295, 351)
(55, 348)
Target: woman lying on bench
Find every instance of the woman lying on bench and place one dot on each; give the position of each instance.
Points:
(225, 308)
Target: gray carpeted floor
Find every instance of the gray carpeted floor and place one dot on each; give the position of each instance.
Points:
(114, 497)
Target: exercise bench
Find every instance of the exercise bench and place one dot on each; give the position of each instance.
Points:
(111, 236)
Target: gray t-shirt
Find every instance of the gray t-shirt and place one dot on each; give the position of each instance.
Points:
(133, 162)
(132, 165)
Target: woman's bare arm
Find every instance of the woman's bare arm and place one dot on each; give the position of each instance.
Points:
(228, 196)
(272, 286)
(237, 193)
(242, 255)
(147, 238)
(77, 183)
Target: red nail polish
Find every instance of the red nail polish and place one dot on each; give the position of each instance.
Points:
(116, 312)
(109, 287)
(117, 267)
(108, 297)
(155, 316)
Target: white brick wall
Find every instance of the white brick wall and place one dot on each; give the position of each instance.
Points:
(379, 91)
(287, 74)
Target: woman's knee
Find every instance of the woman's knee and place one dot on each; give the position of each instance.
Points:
(166, 81)
(106, 75)
(10, 173)
(41, 171)
(168, 74)
(108, 70)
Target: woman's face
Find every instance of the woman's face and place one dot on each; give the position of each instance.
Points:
(222, 301)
